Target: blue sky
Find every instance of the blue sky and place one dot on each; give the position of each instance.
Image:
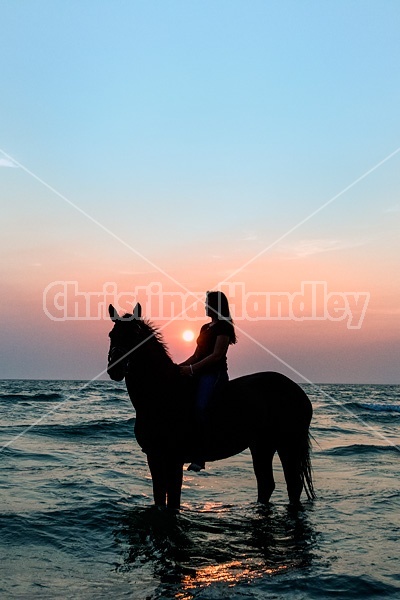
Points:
(199, 129)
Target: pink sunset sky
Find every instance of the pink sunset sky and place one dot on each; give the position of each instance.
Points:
(264, 159)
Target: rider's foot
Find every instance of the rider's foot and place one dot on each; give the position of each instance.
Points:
(196, 467)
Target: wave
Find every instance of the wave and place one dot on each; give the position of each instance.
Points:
(56, 527)
(329, 586)
(86, 429)
(12, 452)
(381, 407)
(51, 396)
(377, 408)
(355, 449)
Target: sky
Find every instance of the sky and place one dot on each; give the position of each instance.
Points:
(161, 149)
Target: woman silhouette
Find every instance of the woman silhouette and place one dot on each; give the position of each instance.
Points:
(208, 363)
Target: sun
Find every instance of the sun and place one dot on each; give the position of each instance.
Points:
(188, 335)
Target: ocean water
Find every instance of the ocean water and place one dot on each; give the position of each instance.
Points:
(77, 518)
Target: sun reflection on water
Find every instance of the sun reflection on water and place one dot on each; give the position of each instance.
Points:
(231, 573)
(215, 544)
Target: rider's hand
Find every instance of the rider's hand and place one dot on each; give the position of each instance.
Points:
(185, 371)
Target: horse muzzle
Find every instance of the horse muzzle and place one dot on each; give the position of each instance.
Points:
(117, 366)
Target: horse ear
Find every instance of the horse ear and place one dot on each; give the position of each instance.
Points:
(113, 313)
(137, 311)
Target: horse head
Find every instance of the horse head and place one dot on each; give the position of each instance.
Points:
(124, 339)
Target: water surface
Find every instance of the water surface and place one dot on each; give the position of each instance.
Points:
(77, 518)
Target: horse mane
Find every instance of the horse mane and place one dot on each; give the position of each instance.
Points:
(151, 333)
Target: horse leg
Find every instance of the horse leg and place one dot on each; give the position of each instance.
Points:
(174, 484)
(159, 479)
(262, 455)
(291, 464)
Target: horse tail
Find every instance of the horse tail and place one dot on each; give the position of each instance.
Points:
(306, 467)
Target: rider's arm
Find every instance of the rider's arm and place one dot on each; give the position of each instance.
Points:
(192, 359)
(220, 350)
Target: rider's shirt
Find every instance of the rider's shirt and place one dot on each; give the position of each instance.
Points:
(206, 343)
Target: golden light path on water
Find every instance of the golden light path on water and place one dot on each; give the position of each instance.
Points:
(231, 573)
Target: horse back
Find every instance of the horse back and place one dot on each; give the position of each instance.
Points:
(266, 405)
(270, 394)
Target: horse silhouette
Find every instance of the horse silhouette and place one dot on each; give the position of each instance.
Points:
(266, 412)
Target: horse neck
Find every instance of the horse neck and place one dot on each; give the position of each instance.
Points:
(151, 373)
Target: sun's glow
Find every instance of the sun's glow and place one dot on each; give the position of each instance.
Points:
(188, 335)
